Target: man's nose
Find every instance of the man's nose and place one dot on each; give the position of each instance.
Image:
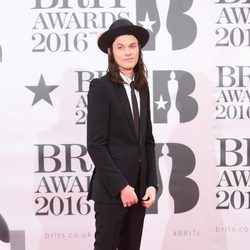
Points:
(127, 51)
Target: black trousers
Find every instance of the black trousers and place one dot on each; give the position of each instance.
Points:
(118, 227)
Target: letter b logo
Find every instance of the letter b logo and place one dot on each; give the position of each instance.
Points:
(175, 162)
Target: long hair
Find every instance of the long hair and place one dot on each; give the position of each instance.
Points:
(139, 71)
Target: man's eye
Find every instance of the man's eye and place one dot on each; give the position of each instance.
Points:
(133, 46)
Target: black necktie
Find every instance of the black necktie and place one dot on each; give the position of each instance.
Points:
(135, 109)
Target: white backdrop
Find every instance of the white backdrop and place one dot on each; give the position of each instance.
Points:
(198, 70)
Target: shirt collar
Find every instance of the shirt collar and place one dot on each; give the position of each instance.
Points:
(126, 79)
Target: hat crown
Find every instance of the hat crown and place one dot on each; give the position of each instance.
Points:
(120, 23)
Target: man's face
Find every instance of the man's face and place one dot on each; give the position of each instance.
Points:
(126, 52)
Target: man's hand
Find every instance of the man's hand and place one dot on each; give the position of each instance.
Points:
(149, 197)
(128, 196)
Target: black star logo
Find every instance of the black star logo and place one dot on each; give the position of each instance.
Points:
(42, 91)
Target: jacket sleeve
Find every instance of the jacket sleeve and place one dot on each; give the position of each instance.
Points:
(97, 138)
(150, 150)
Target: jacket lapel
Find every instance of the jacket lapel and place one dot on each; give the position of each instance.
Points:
(143, 110)
(125, 103)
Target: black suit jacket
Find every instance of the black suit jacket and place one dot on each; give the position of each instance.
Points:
(119, 157)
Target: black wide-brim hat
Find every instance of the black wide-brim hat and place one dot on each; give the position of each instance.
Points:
(122, 27)
(4, 230)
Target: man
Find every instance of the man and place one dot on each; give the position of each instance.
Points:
(120, 141)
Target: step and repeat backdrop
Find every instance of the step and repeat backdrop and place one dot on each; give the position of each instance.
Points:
(199, 74)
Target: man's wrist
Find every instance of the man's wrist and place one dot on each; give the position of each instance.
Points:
(124, 189)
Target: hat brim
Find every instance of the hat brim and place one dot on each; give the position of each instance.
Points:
(107, 38)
